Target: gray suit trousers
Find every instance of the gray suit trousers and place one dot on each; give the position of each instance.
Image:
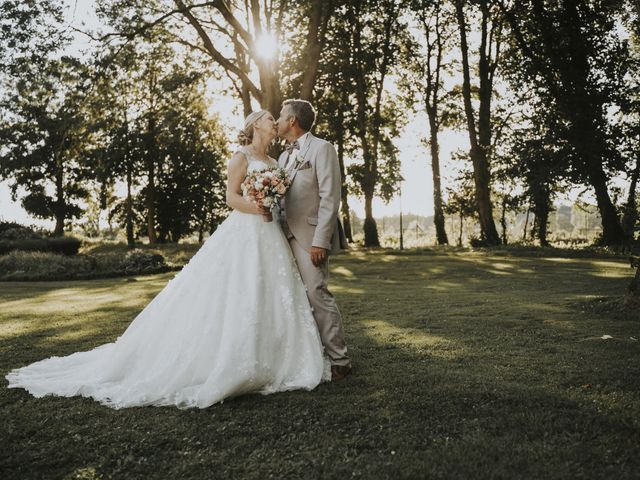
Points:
(325, 310)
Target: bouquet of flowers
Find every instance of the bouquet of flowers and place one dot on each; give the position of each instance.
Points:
(266, 188)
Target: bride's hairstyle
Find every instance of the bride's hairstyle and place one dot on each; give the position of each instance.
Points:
(245, 136)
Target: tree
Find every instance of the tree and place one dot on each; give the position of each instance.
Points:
(571, 53)
(29, 33)
(508, 203)
(461, 201)
(191, 183)
(335, 120)
(44, 137)
(375, 30)
(629, 101)
(153, 130)
(480, 129)
(116, 153)
(426, 68)
(538, 166)
(251, 31)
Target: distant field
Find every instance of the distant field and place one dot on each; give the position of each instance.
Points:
(466, 365)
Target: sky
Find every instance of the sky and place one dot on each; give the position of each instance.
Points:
(417, 187)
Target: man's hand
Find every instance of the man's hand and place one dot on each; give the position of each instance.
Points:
(318, 255)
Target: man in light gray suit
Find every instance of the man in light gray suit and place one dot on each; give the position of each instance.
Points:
(310, 221)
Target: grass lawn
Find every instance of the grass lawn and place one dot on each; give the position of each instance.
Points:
(466, 365)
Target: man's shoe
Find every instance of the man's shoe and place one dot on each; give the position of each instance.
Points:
(339, 372)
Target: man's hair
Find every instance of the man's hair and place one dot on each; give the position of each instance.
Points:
(303, 111)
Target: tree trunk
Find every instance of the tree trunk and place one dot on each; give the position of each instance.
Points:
(526, 224)
(542, 209)
(534, 227)
(478, 153)
(272, 95)
(503, 221)
(438, 210)
(201, 232)
(320, 13)
(131, 242)
(630, 216)
(151, 185)
(542, 231)
(634, 286)
(246, 102)
(346, 217)
(59, 205)
(151, 159)
(460, 234)
(612, 233)
(176, 235)
(370, 228)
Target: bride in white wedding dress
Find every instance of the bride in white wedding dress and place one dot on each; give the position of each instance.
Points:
(235, 320)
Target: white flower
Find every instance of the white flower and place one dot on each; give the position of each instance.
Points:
(268, 174)
(267, 202)
(258, 185)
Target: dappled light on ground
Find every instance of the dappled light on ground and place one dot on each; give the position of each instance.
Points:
(64, 311)
(345, 272)
(417, 340)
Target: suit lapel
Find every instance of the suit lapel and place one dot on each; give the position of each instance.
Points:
(281, 158)
(302, 155)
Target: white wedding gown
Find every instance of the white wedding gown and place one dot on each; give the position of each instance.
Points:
(235, 320)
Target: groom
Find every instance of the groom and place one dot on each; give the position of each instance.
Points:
(310, 221)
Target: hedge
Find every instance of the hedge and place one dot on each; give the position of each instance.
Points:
(63, 245)
(34, 266)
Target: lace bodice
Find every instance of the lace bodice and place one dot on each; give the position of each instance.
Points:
(254, 163)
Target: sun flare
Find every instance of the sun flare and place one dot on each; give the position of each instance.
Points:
(266, 46)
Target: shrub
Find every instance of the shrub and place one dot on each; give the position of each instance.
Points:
(476, 242)
(140, 261)
(64, 245)
(32, 266)
(35, 244)
(15, 231)
(14, 236)
(21, 265)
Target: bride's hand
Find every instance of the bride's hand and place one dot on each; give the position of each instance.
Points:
(265, 212)
(261, 210)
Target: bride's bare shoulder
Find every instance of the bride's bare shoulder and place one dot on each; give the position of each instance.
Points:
(238, 162)
(239, 157)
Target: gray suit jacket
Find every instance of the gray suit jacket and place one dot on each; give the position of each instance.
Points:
(311, 205)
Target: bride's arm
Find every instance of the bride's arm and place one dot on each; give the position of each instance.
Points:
(236, 172)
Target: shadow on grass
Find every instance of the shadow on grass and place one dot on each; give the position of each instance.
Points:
(427, 407)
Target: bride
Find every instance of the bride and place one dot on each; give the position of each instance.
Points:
(235, 320)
